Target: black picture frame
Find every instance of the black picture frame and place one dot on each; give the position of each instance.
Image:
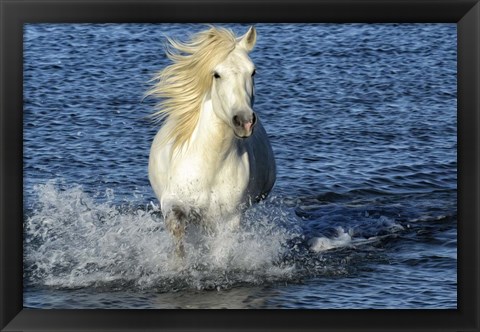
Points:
(14, 13)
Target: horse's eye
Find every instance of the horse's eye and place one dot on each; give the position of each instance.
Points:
(254, 72)
(216, 75)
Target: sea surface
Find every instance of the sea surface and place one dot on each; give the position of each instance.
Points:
(363, 123)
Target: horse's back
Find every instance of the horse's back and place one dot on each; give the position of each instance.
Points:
(262, 163)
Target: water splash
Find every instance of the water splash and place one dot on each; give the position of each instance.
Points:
(74, 239)
(324, 243)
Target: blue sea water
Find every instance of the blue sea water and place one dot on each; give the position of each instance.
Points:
(362, 120)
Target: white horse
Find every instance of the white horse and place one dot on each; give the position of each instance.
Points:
(211, 158)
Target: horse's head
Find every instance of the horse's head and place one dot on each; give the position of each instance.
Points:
(233, 87)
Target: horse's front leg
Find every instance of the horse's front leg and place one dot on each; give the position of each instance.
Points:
(176, 223)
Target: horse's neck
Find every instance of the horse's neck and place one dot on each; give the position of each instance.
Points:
(212, 134)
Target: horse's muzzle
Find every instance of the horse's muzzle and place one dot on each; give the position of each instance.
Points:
(243, 124)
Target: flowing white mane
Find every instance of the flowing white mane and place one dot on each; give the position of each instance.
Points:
(182, 85)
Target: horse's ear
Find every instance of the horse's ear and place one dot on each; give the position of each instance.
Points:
(248, 40)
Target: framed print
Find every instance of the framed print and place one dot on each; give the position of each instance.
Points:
(161, 157)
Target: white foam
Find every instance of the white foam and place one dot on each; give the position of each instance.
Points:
(73, 240)
(76, 239)
(342, 239)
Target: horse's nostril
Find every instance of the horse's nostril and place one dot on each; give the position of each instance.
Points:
(236, 121)
(254, 118)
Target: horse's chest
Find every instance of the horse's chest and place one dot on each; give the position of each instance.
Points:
(230, 183)
(217, 186)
